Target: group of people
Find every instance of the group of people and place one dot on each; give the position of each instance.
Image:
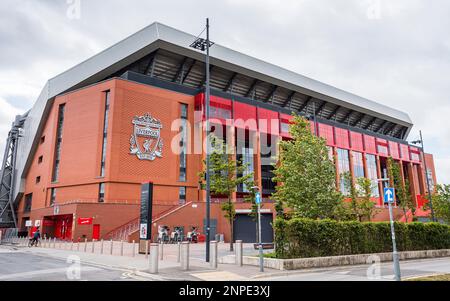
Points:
(164, 235)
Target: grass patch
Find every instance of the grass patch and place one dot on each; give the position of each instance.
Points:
(270, 255)
(445, 277)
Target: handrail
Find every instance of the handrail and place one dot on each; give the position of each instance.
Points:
(133, 225)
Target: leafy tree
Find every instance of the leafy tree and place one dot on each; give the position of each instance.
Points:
(224, 178)
(361, 205)
(306, 174)
(366, 207)
(402, 188)
(441, 203)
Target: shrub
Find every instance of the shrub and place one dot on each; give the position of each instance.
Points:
(303, 238)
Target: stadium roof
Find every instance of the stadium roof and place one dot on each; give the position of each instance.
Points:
(163, 52)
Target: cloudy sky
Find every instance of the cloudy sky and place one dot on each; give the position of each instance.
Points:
(396, 52)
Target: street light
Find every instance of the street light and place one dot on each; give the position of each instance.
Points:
(398, 276)
(420, 141)
(258, 202)
(202, 45)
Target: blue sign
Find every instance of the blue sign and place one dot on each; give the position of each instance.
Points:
(258, 198)
(389, 195)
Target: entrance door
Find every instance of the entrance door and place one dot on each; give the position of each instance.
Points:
(96, 232)
(245, 228)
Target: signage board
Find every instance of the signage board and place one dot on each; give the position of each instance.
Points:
(145, 230)
(258, 198)
(28, 223)
(389, 195)
(37, 223)
(85, 220)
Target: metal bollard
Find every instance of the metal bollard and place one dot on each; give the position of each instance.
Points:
(85, 244)
(185, 255)
(101, 246)
(93, 246)
(153, 262)
(161, 250)
(179, 252)
(112, 245)
(146, 249)
(121, 248)
(134, 249)
(239, 253)
(54, 242)
(78, 245)
(213, 258)
(71, 245)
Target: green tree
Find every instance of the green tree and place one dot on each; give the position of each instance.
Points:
(306, 174)
(361, 206)
(224, 178)
(441, 203)
(402, 188)
(366, 207)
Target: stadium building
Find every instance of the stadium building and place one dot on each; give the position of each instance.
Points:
(75, 162)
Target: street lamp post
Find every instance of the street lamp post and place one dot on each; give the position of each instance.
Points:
(426, 175)
(202, 44)
(395, 258)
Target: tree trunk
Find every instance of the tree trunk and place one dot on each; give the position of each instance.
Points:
(232, 235)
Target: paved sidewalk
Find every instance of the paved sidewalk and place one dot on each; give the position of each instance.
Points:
(169, 268)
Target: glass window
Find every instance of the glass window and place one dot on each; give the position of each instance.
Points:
(183, 142)
(101, 193)
(372, 174)
(358, 165)
(28, 202)
(52, 196)
(182, 195)
(105, 134)
(58, 142)
(344, 167)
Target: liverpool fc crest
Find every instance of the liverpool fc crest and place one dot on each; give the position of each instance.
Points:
(146, 142)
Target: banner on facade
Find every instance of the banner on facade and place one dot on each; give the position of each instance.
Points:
(85, 220)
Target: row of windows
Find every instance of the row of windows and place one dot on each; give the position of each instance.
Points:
(58, 142)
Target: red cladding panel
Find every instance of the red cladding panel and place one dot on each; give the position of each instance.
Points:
(382, 147)
(415, 154)
(245, 116)
(369, 143)
(404, 150)
(268, 121)
(357, 141)
(326, 131)
(285, 121)
(342, 138)
(393, 148)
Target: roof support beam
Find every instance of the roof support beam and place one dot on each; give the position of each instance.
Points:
(271, 94)
(289, 100)
(230, 82)
(151, 64)
(320, 108)
(358, 120)
(188, 71)
(382, 125)
(305, 104)
(180, 69)
(252, 88)
(370, 123)
(347, 116)
(335, 111)
(389, 129)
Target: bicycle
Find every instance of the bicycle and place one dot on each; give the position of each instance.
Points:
(33, 242)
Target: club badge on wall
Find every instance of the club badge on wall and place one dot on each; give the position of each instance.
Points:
(146, 142)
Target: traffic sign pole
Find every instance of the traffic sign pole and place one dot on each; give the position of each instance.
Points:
(389, 194)
(261, 256)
